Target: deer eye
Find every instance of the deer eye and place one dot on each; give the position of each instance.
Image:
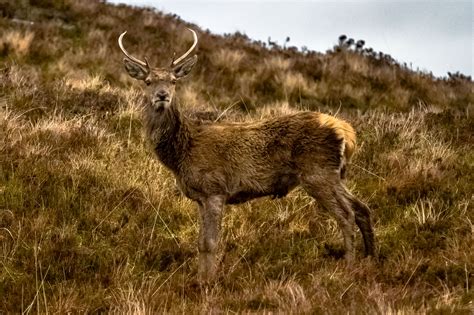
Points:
(173, 81)
(147, 82)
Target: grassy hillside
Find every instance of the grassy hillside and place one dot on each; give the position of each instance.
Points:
(90, 221)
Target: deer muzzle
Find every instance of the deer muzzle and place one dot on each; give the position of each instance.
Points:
(160, 100)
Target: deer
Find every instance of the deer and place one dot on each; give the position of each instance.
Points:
(221, 163)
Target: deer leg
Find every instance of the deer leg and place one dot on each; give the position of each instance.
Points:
(210, 211)
(328, 194)
(346, 218)
(362, 219)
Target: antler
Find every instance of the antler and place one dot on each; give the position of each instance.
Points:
(175, 62)
(138, 61)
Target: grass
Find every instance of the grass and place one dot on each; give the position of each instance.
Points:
(91, 222)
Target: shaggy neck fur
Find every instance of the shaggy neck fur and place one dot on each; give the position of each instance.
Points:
(169, 133)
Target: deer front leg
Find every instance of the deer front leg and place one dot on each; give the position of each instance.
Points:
(210, 211)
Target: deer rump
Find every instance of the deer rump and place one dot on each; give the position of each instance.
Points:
(268, 158)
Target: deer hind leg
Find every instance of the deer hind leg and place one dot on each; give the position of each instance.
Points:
(362, 219)
(329, 195)
(210, 211)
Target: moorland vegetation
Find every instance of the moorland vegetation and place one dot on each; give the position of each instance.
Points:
(90, 221)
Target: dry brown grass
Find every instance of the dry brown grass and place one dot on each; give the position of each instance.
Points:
(228, 59)
(16, 42)
(91, 222)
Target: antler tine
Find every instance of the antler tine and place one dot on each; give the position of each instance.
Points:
(144, 64)
(175, 62)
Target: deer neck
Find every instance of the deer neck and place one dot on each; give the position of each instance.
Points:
(169, 132)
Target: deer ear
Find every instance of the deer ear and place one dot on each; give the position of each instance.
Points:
(135, 70)
(184, 68)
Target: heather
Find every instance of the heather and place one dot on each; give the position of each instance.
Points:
(90, 221)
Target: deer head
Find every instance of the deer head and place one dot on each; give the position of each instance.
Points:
(160, 82)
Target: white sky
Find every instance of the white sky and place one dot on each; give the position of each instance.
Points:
(432, 35)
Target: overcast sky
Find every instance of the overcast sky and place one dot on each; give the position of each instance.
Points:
(431, 35)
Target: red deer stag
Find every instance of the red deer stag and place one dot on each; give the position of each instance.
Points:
(217, 164)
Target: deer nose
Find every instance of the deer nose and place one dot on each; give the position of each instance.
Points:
(161, 95)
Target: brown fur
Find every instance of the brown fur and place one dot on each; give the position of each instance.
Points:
(233, 163)
(244, 161)
(230, 163)
(344, 130)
